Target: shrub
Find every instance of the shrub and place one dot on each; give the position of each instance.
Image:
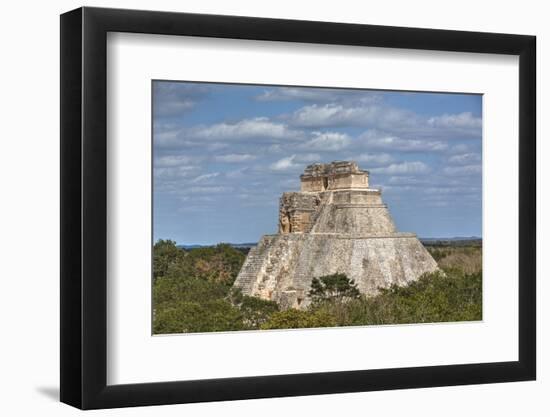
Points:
(255, 311)
(332, 288)
(173, 289)
(296, 319)
(466, 258)
(433, 298)
(197, 316)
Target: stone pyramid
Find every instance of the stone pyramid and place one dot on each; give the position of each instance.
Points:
(335, 224)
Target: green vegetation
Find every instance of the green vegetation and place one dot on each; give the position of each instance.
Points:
(433, 298)
(296, 319)
(333, 288)
(192, 293)
(190, 289)
(165, 253)
(465, 258)
(255, 311)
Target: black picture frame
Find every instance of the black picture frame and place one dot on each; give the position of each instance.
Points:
(84, 207)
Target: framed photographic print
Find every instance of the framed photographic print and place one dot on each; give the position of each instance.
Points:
(258, 207)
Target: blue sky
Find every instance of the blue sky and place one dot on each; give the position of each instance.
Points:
(224, 153)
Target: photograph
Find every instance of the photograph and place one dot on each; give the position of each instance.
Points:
(286, 207)
(262, 206)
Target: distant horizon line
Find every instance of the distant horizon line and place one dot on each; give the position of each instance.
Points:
(254, 243)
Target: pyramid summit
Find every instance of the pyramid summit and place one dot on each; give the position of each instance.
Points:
(335, 224)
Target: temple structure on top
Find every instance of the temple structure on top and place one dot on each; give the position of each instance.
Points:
(335, 224)
(338, 175)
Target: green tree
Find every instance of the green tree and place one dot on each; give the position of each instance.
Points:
(197, 316)
(217, 264)
(297, 319)
(192, 294)
(256, 311)
(172, 289)
(335, 287)
(436, 297)
(165, 254)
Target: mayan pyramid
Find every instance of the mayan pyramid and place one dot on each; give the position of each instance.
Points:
(335, 224)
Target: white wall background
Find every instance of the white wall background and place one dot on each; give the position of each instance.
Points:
(29, 219)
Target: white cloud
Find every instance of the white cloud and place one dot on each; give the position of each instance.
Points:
(327, 141)
(437, 203)
(308, 157)
(166, 137)
(238, 173)
(450, 190)
(174, 160)
(234, 158)
(173, 99)
(196, 198)
(213, 136)
(216, 146)
(373, 159)
(463, 170)
(465, 159)
(460, 120)
(333, 115)
(284, 164)
(294, 161)
(367, 114)
(398, 189)
(259, 127)
(207, 189)
(173, 108)
(289, 93)
(406, 181)
(205, 177)
(404, 168)
(376, 115)
(460, 148)
(183, 171)
(275, 148)
(317, 95)
(375, 140)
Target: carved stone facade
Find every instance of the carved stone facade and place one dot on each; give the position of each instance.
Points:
(335, 224)
(334, 176)
(295, 211)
